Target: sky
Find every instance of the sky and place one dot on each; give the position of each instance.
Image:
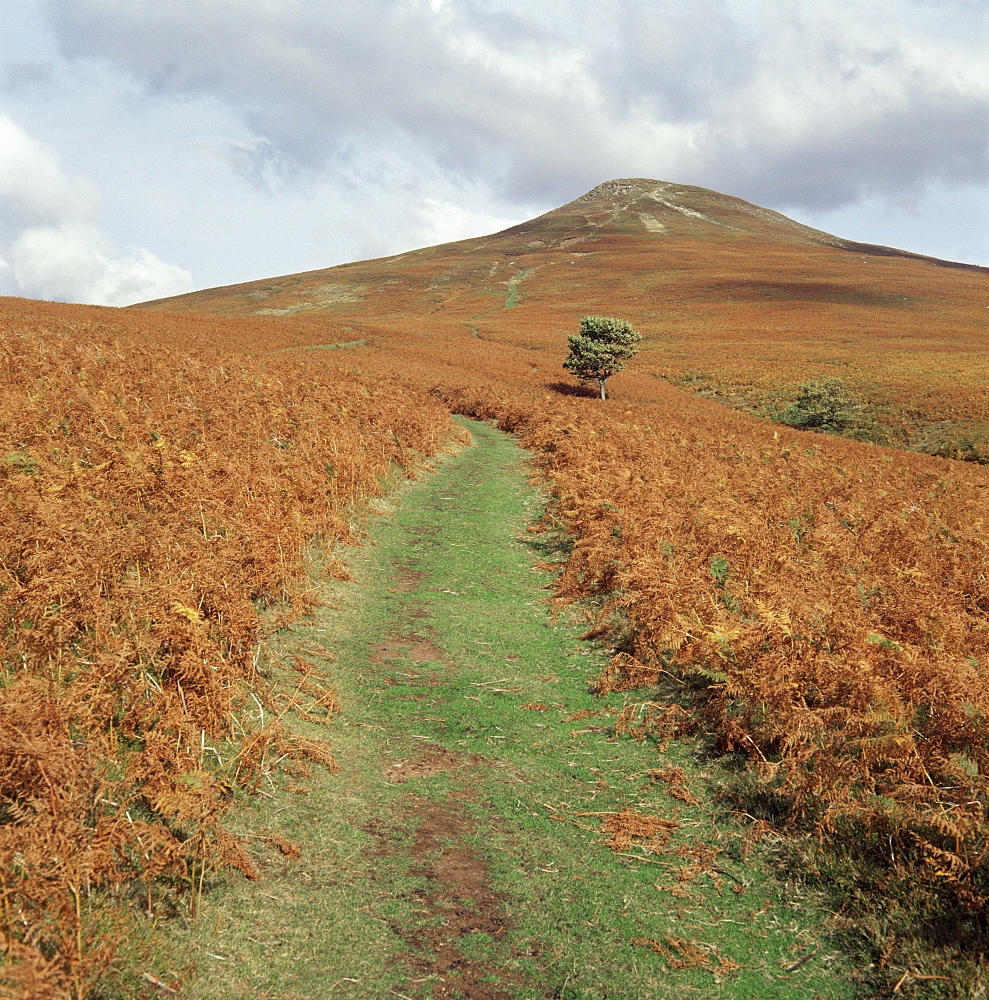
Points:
(150, 147)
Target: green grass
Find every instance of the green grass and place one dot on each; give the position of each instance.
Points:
(475, 772)
(513, 286)
(325, 347)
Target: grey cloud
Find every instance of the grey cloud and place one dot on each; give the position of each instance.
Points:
(675, 63)
(862, 115)
(315, 79)
(22, 77)
(814, 104)
(261, 163)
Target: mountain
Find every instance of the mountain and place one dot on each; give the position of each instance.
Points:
(730, 297)
(635, 216)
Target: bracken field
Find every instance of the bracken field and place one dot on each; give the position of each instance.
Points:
(818, 604)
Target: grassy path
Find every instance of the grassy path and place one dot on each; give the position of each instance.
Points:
(486, 835)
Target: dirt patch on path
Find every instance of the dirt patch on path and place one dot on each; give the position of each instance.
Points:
(457, 909)
(457, 905)
(416, 648)
(406, 580)
(430, 759)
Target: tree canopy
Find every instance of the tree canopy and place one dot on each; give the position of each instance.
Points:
(600, 349)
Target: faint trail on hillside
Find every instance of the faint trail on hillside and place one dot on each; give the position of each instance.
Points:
(512, 299)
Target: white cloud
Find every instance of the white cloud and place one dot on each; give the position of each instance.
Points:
(434, 221)
(32, 186)
(73, 262)
(50, 244)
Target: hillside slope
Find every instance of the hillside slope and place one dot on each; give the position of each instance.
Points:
(644, 216)
(730, 297)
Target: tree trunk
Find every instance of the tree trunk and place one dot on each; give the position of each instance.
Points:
(601, 382)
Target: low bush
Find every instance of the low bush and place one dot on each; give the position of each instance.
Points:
(825, 406)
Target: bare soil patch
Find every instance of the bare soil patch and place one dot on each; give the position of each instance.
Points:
(407, 581)
(457, 903)
(416, 648)
(431, 759)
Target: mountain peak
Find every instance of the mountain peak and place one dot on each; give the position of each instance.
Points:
(697, 204)
(624, 186)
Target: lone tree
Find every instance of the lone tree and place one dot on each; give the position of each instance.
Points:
(597, 352)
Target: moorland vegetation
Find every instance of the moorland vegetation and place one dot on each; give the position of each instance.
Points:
(824, 602)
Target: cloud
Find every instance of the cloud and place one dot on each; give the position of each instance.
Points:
(259, 162)
(862, 101)
(21, 76)
(33, 188)
(433, 221)
(812, 102)
(50, 244)
(72, 262)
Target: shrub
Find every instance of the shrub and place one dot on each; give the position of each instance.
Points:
(825, 406)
